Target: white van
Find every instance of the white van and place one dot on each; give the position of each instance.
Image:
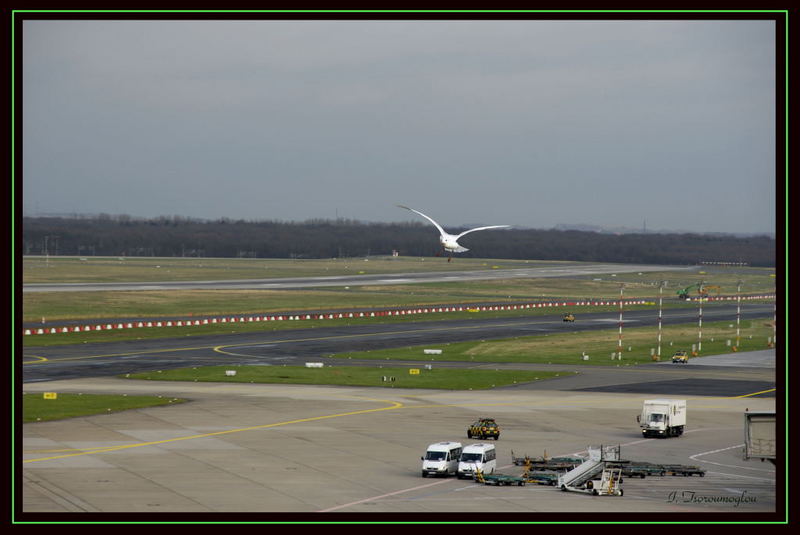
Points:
(441, 459)
(482, 457)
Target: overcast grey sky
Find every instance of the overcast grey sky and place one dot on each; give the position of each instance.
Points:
(526, 123)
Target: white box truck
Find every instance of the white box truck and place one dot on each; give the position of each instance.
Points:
(662, 417)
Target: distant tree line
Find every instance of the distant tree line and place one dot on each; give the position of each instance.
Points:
(174, 236)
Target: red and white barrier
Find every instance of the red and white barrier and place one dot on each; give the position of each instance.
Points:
(371, 314)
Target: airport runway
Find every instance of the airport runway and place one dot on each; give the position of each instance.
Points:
(306, 453)
(295, 347)
(567, 270)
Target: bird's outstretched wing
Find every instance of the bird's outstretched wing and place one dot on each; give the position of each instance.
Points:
(441, 230)
(482, 228)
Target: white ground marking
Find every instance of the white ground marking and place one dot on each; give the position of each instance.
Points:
(696, 455)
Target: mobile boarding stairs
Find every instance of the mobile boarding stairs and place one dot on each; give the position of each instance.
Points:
(600, 474)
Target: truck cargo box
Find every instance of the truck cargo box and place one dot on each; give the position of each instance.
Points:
(759, 435)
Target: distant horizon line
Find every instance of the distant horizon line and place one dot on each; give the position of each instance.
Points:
(581, 227)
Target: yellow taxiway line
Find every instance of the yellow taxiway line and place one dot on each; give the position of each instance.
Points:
(394, 405)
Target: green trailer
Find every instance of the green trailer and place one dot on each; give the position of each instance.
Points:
(683, 470)
(547, 463)
(642, 469)
(542, 478)
(498, 479)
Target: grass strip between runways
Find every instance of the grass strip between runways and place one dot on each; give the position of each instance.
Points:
(571, 347)
(395, 377)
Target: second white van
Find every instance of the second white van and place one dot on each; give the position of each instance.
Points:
(441, 459)
(481, 457)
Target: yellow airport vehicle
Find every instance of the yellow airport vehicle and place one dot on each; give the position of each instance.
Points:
(680, 356)
(484, 428)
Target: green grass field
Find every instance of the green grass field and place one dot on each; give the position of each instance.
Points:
(388, 377)
(598, 345)
(66, 306)
(36, 408)
(55, 306)
(56, 269)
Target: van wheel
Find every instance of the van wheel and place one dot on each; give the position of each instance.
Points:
(424, 474)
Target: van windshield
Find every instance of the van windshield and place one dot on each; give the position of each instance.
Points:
(471, 457)
(655, 417)
(435, 456)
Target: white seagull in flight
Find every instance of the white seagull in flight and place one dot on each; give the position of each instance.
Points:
(450, 241)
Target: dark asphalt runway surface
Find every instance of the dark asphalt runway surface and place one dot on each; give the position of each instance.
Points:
(295, 347)
(690, 386)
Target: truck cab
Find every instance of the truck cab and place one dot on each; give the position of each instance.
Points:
(655, 424)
